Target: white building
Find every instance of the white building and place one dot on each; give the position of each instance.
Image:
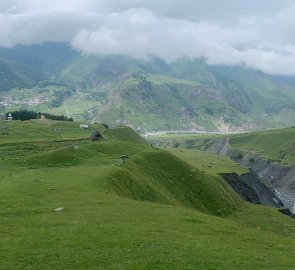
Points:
(84, 126)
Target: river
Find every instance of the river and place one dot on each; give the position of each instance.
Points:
(287, 198)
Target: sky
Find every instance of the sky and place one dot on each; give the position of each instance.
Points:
(258, 34)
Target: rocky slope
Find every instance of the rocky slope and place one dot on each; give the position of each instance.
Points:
(251, 189)
(277, 177)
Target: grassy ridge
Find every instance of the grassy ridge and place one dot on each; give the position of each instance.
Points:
(277, 145)
(159, 176)
(208, 163)
(124, 134)
(37, 130)
(49, 130)
(154, 212)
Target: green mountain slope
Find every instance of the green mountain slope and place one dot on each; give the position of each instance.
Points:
(148, 95)
(14, 74)
(186, 94)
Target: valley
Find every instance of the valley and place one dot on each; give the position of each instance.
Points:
(196, 191)
(146, 95)
(268, 154)
(147, 135)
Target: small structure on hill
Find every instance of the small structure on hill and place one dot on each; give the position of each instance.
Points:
(9, 118)
(42, 117)
(96, 136)
(84, 126)
(2, 116)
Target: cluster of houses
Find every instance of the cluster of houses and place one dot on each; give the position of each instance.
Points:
(4, 118)
(11, 101)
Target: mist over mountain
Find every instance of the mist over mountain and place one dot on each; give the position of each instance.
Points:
(258, 35)
(145, 94)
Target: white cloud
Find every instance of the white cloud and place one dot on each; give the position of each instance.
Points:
(231, 32)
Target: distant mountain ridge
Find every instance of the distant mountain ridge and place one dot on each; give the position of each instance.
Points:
(147, 95)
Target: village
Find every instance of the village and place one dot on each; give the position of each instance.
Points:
(11, 101)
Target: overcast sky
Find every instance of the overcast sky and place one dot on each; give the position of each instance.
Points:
(257, 33)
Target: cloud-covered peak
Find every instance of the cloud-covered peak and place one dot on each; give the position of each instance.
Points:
(230, 32)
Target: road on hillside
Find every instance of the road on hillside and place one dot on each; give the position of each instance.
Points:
(164, 132)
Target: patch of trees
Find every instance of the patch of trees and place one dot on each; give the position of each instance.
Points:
(28, 115)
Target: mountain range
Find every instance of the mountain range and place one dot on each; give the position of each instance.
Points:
(148, 95)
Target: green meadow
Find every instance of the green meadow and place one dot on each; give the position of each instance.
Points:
(158, 210)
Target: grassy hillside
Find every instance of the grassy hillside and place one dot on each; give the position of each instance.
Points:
(155, 211)
(124, 134)
(277, 145)
(208, 163)
(158, 176)
(48, 130)
(184, 141)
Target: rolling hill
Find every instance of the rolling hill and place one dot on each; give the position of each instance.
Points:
(156, 211)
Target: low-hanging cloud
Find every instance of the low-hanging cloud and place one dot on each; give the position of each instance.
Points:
(260, 38)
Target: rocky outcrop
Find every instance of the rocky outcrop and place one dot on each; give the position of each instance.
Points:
(279, 176)
(279, 179)
(251, 189)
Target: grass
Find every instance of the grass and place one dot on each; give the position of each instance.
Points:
(162, 79)
(154, 212)
(37, 130)
(161, 177)
(208, 163)
(44, 131)
(184, 141)
(277, 145)
(124, 134)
